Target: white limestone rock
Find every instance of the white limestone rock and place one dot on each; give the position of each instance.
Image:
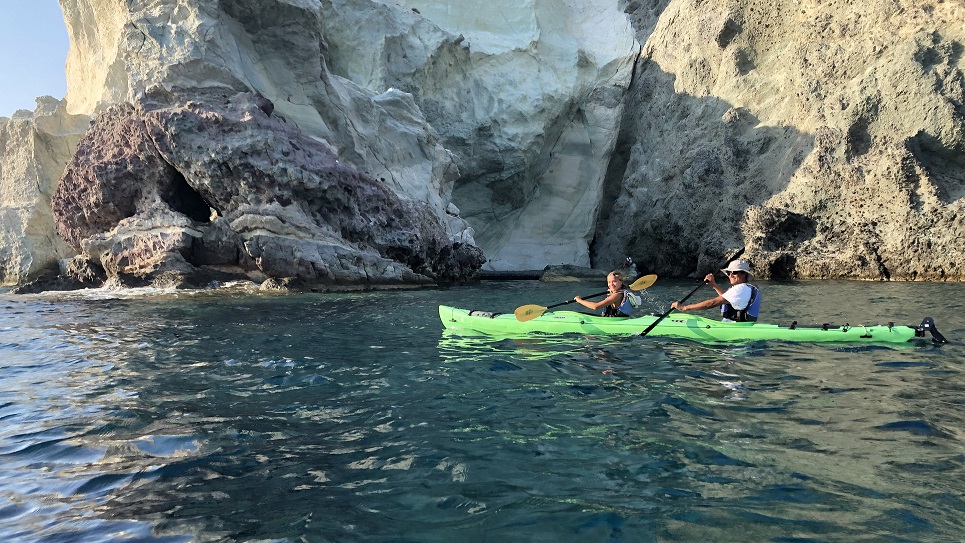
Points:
(525, 95)
(34, 146)
(528, 96)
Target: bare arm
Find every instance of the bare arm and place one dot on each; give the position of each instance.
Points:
(706, 304)
(710, 280)
(612, 298)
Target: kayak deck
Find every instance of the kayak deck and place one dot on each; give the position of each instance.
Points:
(678, 325)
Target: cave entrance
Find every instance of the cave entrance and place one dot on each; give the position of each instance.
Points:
(181, 197)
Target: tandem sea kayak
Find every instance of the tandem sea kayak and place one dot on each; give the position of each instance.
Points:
(679, 325)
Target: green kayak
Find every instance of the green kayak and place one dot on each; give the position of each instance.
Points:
(678, 325)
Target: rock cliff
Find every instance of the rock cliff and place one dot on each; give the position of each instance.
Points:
(528, 95)
(827, 137)
(370, 141)
(34, 146)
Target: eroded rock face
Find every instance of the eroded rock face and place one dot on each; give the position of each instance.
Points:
(827, 137)
(273, 48)
(181, 191)
(527, 94)
(34, 146)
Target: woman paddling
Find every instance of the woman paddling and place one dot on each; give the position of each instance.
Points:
(619, 302)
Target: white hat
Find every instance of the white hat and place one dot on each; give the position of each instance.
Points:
(739, 266)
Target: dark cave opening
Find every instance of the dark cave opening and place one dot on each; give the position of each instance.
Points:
(182, 198)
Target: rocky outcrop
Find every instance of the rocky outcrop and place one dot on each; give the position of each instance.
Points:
(119, 51)
(526, 95)
(34, 146)
(827, 137)
(176, 190)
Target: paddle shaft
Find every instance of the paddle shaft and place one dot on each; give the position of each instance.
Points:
(662, 317)
(684, 299)
(654, 278)
(574, 301)
(529, 312)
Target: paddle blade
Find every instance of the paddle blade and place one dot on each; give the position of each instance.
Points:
(528, 312)
(646, 281)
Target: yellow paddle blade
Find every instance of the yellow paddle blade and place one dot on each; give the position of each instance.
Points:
(528, 312)
(646, 281)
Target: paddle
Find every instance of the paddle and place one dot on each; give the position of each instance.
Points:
(684, 299)
(529, 312)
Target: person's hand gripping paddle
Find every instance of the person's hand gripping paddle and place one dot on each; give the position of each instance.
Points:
(529, 312)
(654, 324)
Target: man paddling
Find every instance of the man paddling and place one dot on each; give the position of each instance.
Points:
(740, 303)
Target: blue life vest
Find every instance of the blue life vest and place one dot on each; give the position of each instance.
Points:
(747, 314)
(630, 300)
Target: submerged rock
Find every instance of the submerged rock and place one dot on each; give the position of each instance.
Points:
(569, 272)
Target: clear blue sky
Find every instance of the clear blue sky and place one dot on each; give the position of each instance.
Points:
(33, 52)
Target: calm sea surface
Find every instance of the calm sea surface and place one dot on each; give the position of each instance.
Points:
(182, 417)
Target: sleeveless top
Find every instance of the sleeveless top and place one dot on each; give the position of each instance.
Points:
(630, 301)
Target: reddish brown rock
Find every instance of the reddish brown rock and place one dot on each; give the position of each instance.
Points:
(214, 186)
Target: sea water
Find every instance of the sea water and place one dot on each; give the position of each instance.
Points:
(169, 416)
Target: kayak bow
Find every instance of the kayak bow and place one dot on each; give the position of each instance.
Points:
(679, 325)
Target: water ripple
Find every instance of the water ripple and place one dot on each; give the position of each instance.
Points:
(182, 418)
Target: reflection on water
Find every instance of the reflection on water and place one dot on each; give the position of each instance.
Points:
(168, 416)
(458, 347)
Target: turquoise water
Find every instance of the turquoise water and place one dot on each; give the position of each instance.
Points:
(176, 417)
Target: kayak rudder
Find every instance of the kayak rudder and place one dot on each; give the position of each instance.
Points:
(928, 325)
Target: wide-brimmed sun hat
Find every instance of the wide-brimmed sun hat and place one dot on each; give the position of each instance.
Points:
(739, 266)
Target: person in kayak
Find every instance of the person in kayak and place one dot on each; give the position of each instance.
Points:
(618, 303)
(741, 295)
